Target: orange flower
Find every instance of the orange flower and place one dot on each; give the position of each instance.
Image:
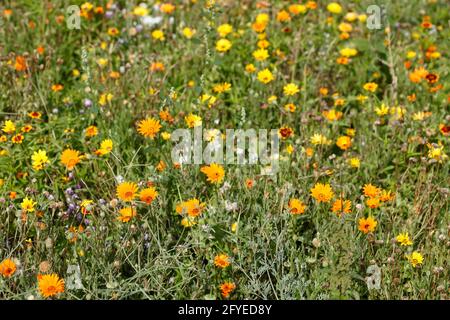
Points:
(222, 261)
(21, 64)
(373, 203)
(149, 127)
(341, 206)
(226, 288)
(126, 191)
(147, 195)
(50, 285)
(70, 158)
(296, 206)
(322, 192)
(57, 87)
(371, 191)
(367, 225)
(126, 214)
(7, 268)
(214, 172)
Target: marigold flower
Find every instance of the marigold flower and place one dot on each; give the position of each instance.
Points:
(214, 172)
(367, 225)
(50, 285)
(7, 268)
(126, 191)
(126, 214)
(70, 158)
(226, 288)
(296, 206)
(222, 261)
(147, 195)
(322, 192)
(149, 127)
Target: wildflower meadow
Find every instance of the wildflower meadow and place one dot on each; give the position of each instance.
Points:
(224, 150)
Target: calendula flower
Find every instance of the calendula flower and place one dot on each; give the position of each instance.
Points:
(39, 160)
(348, 52)
(371, 191)
(403, 239)
(70, 158)
(50, 285)
(342, 206)
(223, 45)
(193, 120)
(126, 191)
(296, 206)
(334, 7)
(147, 195)
(158, 35)
(192, 207)
(265, 76)
(7, 268)
(91, 131)
(224, 30)
(226, 288)
(126, 214)
(214, 172)
(367, 225)
(322, 192)
(260, 54)
(415, 259)
(188, 32)
(344, 142)
(222, 261)
(105, 147)
(149, 127)
(290, 89)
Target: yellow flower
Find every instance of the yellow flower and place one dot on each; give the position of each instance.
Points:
(91, 131)
(354, 162)
(105, 98)
(334, 7)
(140, 11)
(193, 120)
(260, 54)
(50, 285)
(403, 239)
(39, 159)
(322, 192)
(147, 195)
(158, 35)
(367, 225)
(126, 214)
(188, 222)
(250, 68)
(411, 54)
(290, 89)
(165, 135)
(9, 127)
(70, 158)
(297, 8)
(344, 142)
(105, 147)
(318, 139)
(348, 52)
(345, 27)
(188, 32)
(214, 172)
(149, 127)
(223, 45)
(371, 191)
(382, 110)
(415, 259)
(265, 76)
(332, 115)
(224, 30)
(296, 206)
(126, 191)
(370, 86)
(373, 203)
(436, 152)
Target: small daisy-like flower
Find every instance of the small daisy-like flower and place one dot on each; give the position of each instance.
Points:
(70, 158)
(214, 172)
(296, 206)
(322, 192)
(149, 127)
(367, 225)
(290, 89)
(126, 191)
(222, 261)
(125, 214)
(147, 195)
(50, 285)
